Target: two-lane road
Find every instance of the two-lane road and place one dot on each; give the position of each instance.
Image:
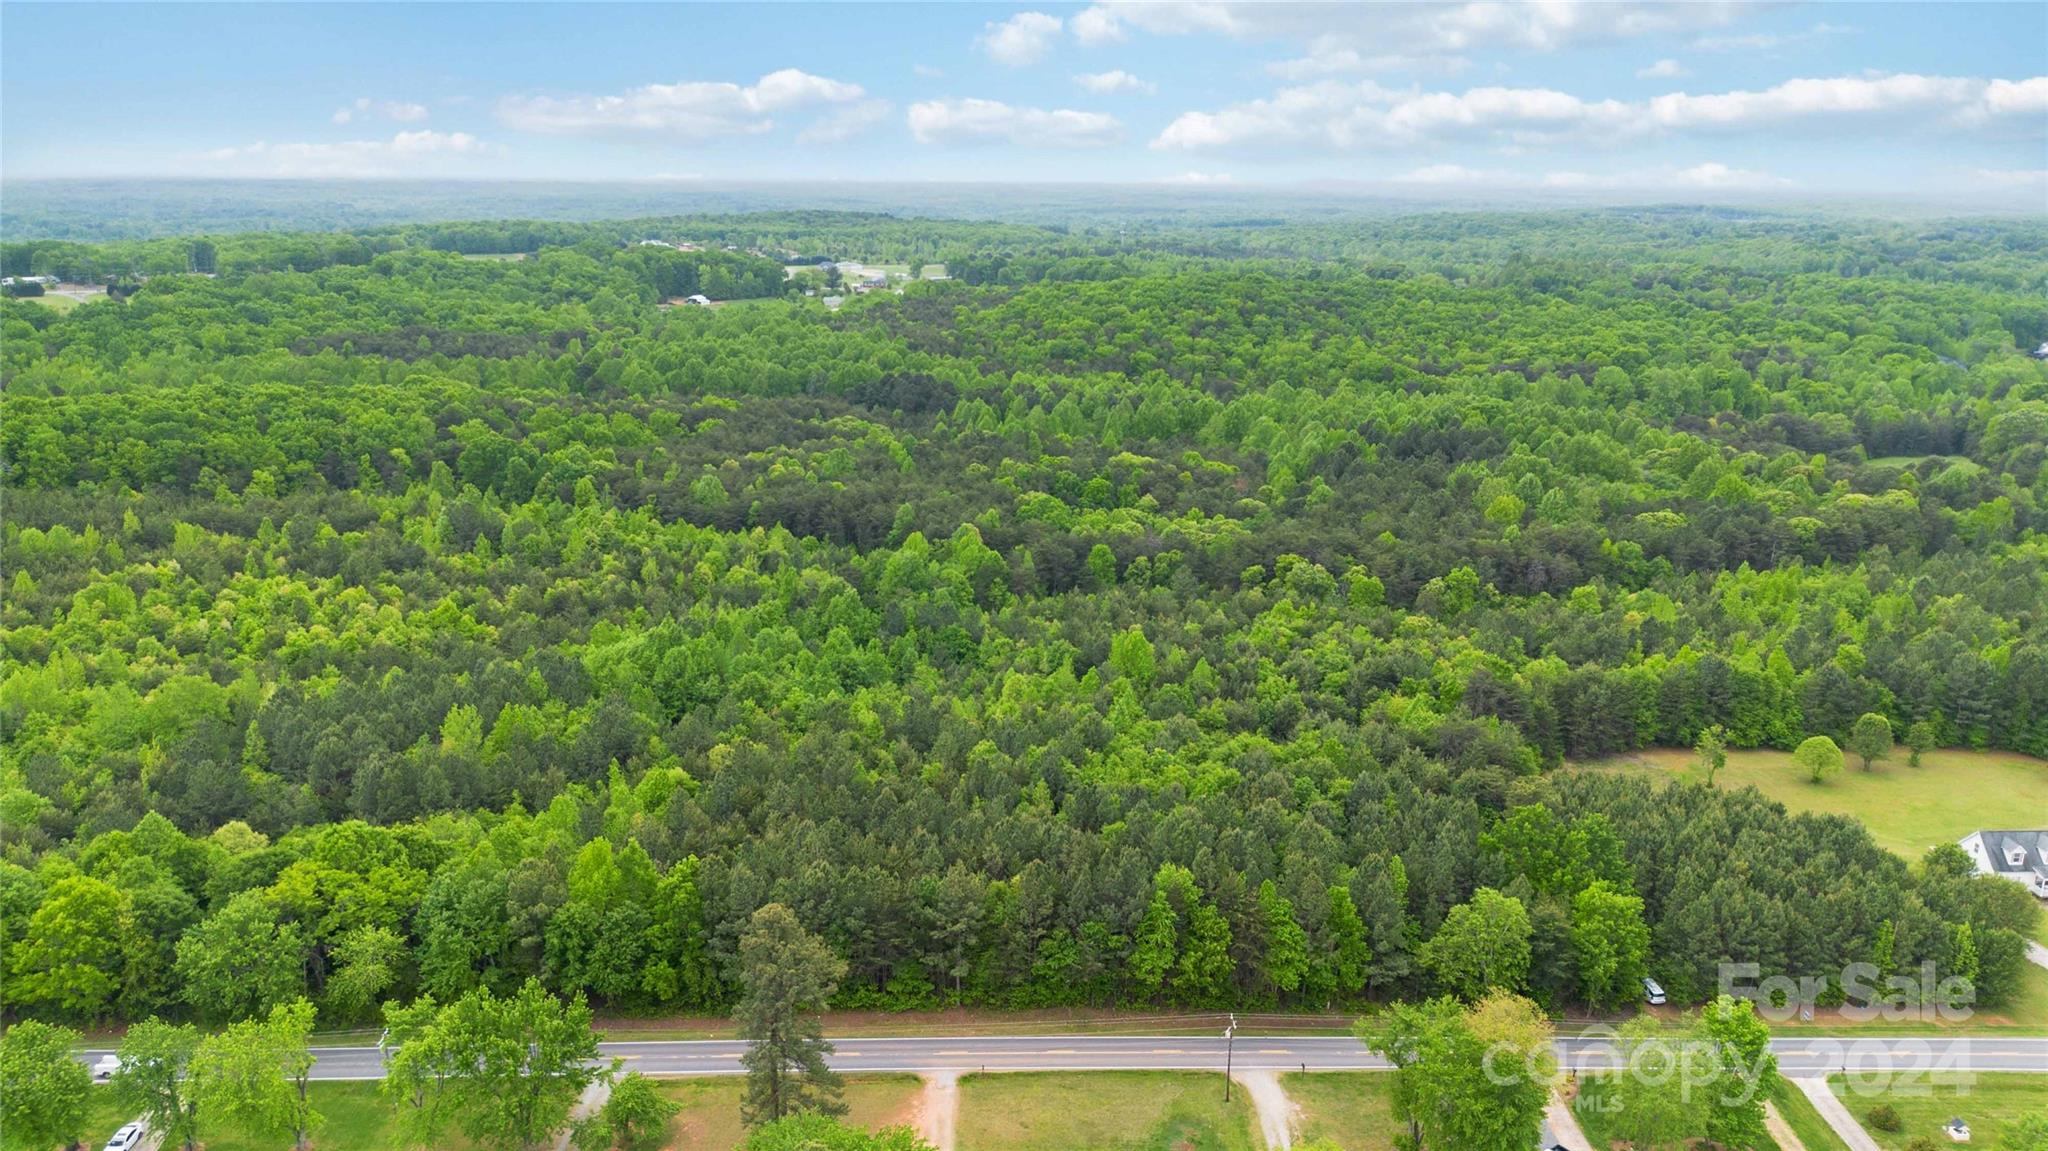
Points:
(1796, 1056)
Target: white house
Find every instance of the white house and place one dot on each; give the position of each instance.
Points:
(2021, 856)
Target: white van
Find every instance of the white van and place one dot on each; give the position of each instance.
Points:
(1653, 992)
(107, 1067)
(127, 1137)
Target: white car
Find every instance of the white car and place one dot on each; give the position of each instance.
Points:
(106, 1067)
(1653, 992)
(127, 1137)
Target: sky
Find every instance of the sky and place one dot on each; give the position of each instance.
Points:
(1934, 100)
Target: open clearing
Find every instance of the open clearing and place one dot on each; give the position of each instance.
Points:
(710, 1118)
(1103, 1111)
(1987, 1102)
(1907, 809)
(1349, 1108)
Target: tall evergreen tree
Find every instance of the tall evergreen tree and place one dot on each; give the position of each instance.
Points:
(788, 975)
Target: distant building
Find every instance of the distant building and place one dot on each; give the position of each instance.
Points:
(2021, 856)
(2040, 353)
(698, 301)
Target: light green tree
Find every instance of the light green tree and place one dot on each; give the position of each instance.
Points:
(1870, 738)
(1748, 1071)
(1612, 944)
(158, 1079)
(1482, 946)
(71, 955)
(43, 1087)
(1820, 757)
(240, 961)
(1920, 739)
(1712, 749)
(634, 1117)
(254, 1074)
(1659, 1092)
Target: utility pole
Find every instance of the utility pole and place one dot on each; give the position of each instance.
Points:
(1229, 1045)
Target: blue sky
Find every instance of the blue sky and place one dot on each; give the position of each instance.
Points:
(1932, 100)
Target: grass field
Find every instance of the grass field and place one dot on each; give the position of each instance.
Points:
(357, 1120)
(1349, 1108)
(53, 302)
(1107, 1111)
(1988, 1102)
(1797, 1111)
(1907, 809)
(710, 1118)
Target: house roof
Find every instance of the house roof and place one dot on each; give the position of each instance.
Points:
(2031, 846)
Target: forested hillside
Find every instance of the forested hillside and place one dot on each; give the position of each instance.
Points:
(1198, 617)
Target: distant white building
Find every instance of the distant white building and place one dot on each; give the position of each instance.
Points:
(2041, 353)
(699, 301)
(2021, 856)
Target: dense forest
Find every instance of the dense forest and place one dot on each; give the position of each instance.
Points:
(1205, 616)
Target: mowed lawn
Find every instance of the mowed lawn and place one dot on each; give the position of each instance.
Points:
(1799, 1114)
(1348, 1108)
(1988, 1102)
(357, 1119)
(1907, 809)
(710, 1118)
(1103, 1111)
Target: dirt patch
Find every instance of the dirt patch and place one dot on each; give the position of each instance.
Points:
(1277, 1115)
(936, 1109)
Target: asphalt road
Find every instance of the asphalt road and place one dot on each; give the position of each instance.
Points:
(1796, 1056)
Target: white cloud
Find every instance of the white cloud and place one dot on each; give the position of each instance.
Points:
(845, 123)
(1198, 179)
(1708, 177)
(1365, 114)
(1118, 80)
(692, 109)
(2013, 177)
(1095, 26)
(364, 108)
(1665, 69)
(1406, 28)
(1446, 174)
(1721, 176)
(1796, 99)
(1769, 41)
(2017, 97)
(1330, 55)
(991, 121)
(928, 71)
(1022, 39)
(403, 154)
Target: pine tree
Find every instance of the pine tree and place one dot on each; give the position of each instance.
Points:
(789, 975)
